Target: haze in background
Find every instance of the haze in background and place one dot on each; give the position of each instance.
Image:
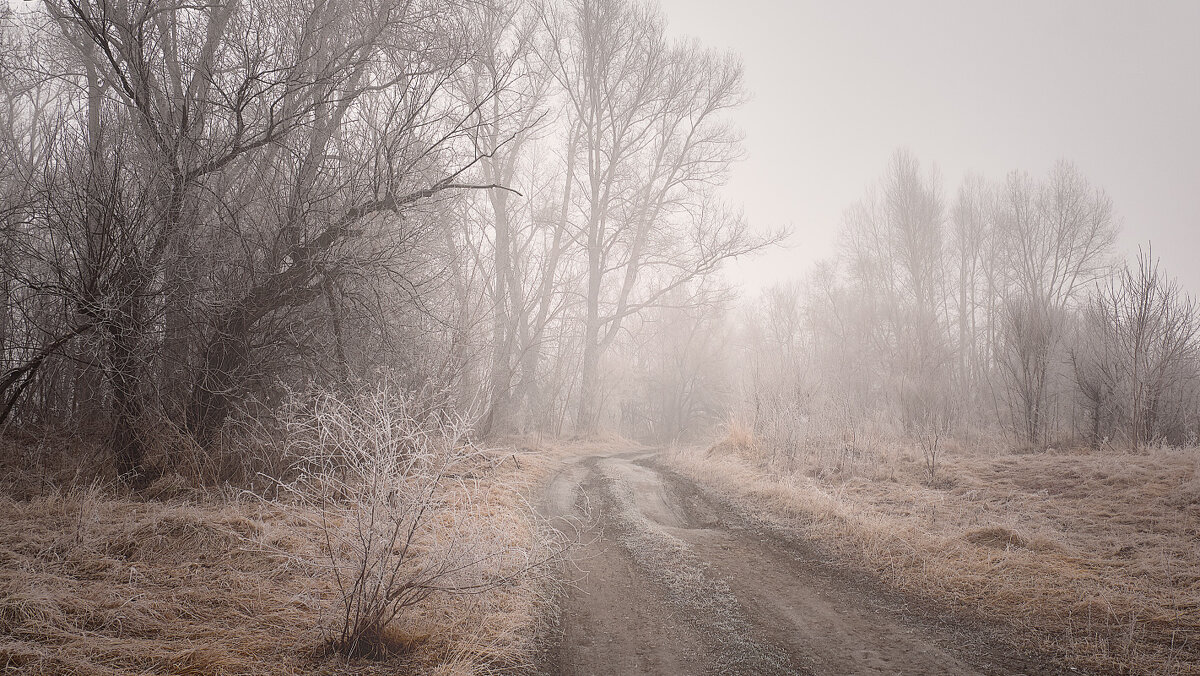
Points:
(986, 87)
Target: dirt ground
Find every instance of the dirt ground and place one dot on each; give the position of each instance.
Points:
(668, 580)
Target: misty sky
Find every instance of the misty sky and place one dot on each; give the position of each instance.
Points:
(969, 86)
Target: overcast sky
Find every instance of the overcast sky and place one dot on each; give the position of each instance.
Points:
(968, 86)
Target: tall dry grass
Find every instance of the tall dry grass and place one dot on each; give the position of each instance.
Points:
(1093, 556)
(188, 578)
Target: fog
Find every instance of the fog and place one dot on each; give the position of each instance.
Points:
(369, 323)
(970, 87)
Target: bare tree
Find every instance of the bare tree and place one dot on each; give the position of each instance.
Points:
(1029, 335)
(1148, 331)
(209, 172)
(1055, 237)
(522, 247)
(652, 141)
(970, 241)
(894, 246)
(1094, 366)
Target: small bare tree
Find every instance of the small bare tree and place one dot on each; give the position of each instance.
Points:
(930, 440)
(382, 479)
(1148, 328)
(1094, 366)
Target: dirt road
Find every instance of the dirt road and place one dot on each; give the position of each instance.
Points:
(668, 580)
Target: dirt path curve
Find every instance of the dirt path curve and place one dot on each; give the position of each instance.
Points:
(670, 581)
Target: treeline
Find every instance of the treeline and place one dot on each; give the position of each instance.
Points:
(997, 307)
(512, 210)
(206, 206)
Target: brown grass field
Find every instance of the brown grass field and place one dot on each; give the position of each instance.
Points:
(200, 581)
(1092, 555)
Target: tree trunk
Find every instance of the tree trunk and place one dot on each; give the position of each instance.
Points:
(585, 422)
(504, 315)
(225, 357)
(589, 385)
(125, 372)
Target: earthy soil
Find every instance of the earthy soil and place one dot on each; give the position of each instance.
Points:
(670, 580)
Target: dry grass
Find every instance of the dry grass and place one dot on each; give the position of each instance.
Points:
(183, 580)
(1095, 556)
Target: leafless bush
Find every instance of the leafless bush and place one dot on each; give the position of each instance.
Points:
(390, 490)
(930, 440)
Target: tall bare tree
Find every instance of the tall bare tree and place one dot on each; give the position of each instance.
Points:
(214, 169)
(1055, 237)
(652, 141)
(894, 245)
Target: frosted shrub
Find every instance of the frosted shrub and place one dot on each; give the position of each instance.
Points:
(381, 478)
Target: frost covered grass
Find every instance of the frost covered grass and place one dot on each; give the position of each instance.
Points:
(1085, 554)
(182, 578)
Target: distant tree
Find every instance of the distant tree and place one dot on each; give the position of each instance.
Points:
(1054, 238)
(894, 246)
(1141, 350)
(682, 364)
(522, 245)
(971, 276)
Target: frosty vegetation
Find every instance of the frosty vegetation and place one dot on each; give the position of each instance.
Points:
(515, 207)
(203, 204)
(997, 309)
(329, 251)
